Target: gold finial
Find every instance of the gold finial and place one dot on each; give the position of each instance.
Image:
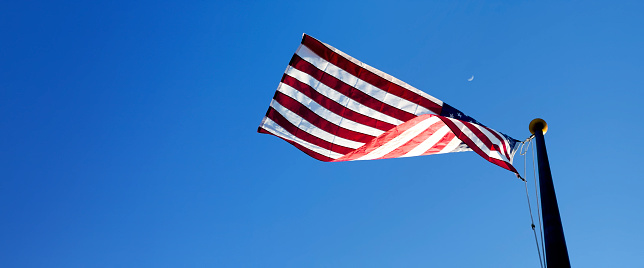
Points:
(538, 123)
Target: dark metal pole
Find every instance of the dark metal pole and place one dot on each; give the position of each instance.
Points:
(555, 242)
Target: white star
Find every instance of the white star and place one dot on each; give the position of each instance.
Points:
(459, 114)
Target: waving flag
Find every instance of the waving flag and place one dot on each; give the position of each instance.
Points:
(336, 108)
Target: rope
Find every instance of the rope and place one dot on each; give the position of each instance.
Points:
(523, 150)
(536, 193)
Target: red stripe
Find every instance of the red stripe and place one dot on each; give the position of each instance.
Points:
(405, 148)
(441, 144)
(302, 148)
(313, 118)
(336, 59)
(484, 138)
(505, 149)
(474, 147)
(336, 84)
(480, 135)
(382, 139)
(333, 106)
(284, 123)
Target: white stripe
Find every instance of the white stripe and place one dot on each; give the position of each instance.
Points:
(429, 142)
(307, 127)
(507, 143)
(400, 139)
(359, 84)
(326, 114)
(477, 141)
(493, 139)
(385, 76)
(340, 98)
(279, 131)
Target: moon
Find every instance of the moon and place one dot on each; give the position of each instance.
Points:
(470, 79)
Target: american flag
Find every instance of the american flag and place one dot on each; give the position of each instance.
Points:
(336, 108)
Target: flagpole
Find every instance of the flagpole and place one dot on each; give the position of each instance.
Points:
(555, 242)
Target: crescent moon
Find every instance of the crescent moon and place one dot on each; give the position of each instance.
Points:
(471, 78)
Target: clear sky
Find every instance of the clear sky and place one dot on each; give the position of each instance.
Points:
(128, 134)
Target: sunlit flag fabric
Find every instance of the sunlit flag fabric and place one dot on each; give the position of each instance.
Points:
(336, 108)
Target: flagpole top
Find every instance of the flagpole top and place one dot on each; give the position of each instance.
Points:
(538, 123)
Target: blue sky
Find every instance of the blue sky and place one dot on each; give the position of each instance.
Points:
(128, 134)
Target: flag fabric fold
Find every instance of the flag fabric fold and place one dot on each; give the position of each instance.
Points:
(336, 108)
